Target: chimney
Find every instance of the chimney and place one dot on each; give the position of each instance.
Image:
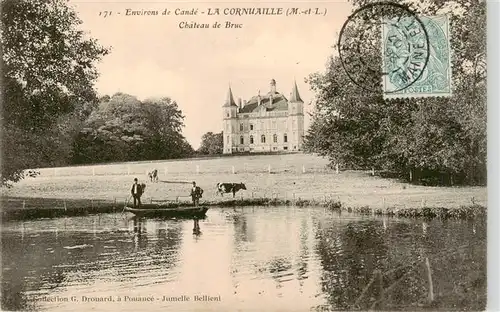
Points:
(271, 98)
(240, 105)
(258, 99)
(273, 86)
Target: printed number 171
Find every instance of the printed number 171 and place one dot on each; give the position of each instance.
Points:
(105, 13)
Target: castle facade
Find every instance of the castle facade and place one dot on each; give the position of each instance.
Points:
(265, 123)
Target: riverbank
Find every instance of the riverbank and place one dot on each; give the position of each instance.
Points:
(352, 188)
(280, 180)
(29, 208)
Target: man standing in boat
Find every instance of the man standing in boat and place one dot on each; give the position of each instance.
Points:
(137, 191)
(196, 194)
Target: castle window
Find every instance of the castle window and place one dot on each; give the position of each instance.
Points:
(285, 138)
(262, 139)
(251, 139)
(241, 140)
(227, 114)
(251, 127)
(241, 127)
(275, 138)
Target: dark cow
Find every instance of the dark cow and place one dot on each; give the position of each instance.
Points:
(230, 188)
(32, 173)
(153, 175)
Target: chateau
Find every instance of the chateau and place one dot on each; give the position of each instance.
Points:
(265, 123)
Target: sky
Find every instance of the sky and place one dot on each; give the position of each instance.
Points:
(151, 56)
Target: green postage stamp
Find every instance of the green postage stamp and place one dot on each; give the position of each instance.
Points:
(416, 62)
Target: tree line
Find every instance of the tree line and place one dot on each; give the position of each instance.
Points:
(51, 114)
(122, 128)
(425, 140)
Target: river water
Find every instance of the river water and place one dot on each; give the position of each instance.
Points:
(249, 259)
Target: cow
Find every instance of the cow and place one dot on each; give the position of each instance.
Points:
(230, 188)
(153, 175)
(32, 173)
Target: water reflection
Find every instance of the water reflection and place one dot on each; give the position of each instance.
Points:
(273, 258)
(196, 228)
(59, 254)
(302, 261)
(245, 229)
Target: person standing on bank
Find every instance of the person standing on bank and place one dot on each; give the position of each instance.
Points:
(196, 194)
(137, 191)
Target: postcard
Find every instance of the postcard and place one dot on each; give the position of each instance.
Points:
(244, 155)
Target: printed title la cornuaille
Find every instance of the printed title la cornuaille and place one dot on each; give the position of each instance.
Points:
(210, 11)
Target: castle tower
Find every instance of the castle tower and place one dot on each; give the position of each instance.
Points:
(230, 118)
(295, 94)
(296, 115)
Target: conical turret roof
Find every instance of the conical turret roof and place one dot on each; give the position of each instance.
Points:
(295, 96)
(230, 99)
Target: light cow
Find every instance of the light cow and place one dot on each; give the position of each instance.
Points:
(230, 188)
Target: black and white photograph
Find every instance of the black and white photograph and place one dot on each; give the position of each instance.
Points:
(232, 155)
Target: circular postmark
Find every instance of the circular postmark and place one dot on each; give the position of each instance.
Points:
(384, 46)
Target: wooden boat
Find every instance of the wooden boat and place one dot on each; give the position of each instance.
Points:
(154, 210)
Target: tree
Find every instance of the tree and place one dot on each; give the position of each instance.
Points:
(437, 138)
(211, 144)
(164, 125)
(48, 74)
(123, 128)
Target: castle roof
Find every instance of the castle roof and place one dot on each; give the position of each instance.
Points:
(280, 103)
(229, 99)
(295, 97)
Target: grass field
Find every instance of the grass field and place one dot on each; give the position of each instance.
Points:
(290, 176)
